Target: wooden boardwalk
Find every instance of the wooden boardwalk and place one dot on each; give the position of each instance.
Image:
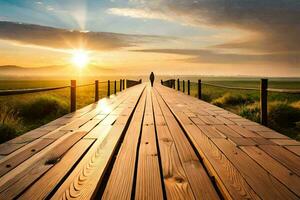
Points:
(150, 143)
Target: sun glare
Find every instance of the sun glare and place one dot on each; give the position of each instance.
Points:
(80, 58)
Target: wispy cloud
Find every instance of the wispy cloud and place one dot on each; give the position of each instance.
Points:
(275, 22)
(214, 57)
(138, 13)
(29, 34)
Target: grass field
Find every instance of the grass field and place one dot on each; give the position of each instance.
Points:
(21, 113)
(283, 109)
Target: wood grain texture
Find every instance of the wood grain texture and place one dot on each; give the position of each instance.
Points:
(265, 185)
(291, 180)
(294, 149)
(175, 179)
(285, 157)
(148, 182)
(198, 178)
(18, 179)
(85, 179)
(231, 184)
(119, 185)
(42, 188)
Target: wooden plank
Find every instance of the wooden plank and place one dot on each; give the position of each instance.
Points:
(286, 142)
(242, 131)
(86, 178)
(224, 120)
(210, 131)
(210, 120)
(291, 180)
(148, 182)
(18, 142)
(262, 141)
(18, 179)
(239, 141)
(231, 184)
(197, 121)
(285, 157)
(266, 186)
(196, 174)
(12, 162)
(294, 149)
(46, 184)
(120, 182)
(266, 132)
(225, 130)
(174, 176)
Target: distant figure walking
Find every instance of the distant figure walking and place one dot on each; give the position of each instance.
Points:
(152, 78)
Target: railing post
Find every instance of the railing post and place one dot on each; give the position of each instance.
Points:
(108, 88)
(199, 89)
(161, 82)
(73, 96)
(264, 102)
(96, 90)
(120, 85)
(189, 87)
(115, 87)
(183, 86)
(178, 84)
(123, 84)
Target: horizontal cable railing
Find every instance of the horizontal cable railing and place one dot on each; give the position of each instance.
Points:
(263, 92)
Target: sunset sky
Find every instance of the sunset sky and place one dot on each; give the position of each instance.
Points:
(209, 37)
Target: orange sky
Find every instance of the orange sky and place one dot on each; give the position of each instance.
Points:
(169, 37)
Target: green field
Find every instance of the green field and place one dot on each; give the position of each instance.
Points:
(283, 109)
(21, 113)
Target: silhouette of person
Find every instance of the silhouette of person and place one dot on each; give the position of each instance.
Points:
(152, 78)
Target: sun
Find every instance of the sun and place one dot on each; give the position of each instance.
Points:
(80, 58)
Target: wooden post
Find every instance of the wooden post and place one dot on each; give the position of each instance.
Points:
(108, 88)
(183, 86)
(115, 87)
(264, 102)
(161, 82)
(199, 89)
(178, 85)
(120, 85)
(73, 96)
(189, 87)
(96, 90)
(123, 84)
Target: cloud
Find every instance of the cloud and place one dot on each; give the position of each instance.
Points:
(276, 22)
(213, 57)
(29, 34)
(137, 13)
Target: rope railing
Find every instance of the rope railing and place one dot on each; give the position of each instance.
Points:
(27, 91)
(229, 87)
(110, 85)
(263, 90)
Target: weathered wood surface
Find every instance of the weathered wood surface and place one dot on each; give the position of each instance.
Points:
(150, 143)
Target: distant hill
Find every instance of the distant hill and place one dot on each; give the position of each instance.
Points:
(56, 71)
